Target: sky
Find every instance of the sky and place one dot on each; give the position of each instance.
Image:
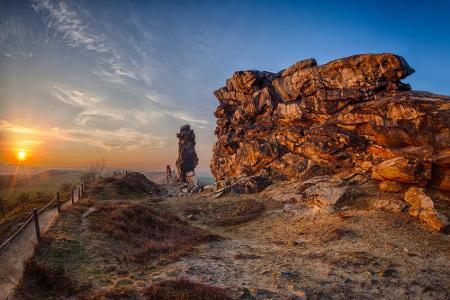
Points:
(87, 80)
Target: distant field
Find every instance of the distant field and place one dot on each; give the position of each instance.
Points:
(44, 182)
(23, 194)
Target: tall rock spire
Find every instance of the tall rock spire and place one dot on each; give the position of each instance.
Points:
(187, 157)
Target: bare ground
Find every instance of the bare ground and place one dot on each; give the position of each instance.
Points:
(354, 253)
(265, 252)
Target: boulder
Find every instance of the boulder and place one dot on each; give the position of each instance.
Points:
(403, 170)
(422, 207)
(434, 219)
(321, 193)
(324, 195)
(392, 205)
(388, 186)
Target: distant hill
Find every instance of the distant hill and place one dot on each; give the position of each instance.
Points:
(45, 181)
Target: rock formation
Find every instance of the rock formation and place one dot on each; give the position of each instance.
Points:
(187, 157)
(169, 177)
(349, 116)
(351, 113)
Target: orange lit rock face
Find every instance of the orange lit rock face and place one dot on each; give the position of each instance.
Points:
(313, 120)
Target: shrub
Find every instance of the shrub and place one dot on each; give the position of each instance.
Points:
(94, 170)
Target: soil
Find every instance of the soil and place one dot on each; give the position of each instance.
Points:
(357, 252)
(266, 250)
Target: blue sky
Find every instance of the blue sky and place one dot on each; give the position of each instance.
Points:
(81, 80)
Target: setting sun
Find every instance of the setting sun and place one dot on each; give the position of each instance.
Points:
(21, 155)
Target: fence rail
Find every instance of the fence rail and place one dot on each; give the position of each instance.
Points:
(35, 214)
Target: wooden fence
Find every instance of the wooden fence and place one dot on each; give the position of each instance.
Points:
(79, 190)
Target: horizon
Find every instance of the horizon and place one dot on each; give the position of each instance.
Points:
(109, 80)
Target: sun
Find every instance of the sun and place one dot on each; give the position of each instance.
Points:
(21, 155)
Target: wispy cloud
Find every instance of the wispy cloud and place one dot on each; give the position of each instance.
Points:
(77, 29)
(168, 109)
(120, 139)
(67, 22)
(14, 38)
(191, 119)
(90, 106)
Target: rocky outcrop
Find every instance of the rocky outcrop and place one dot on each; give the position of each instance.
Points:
(349, 114)
(187, 157)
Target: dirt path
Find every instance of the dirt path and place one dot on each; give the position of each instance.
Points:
(20, 249)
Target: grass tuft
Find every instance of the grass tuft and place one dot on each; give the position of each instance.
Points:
(39, 281)
(184, 289)
(245, 211)
(151, 234)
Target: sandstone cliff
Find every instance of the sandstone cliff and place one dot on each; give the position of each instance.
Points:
(349, 114)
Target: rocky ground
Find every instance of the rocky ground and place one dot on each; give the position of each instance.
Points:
(256, 246)
(360, 251)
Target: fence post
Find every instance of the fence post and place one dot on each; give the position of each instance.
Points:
(72, 196)
(58, 204)
(36, 225)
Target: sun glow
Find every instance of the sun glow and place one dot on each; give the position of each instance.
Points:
(21, 155)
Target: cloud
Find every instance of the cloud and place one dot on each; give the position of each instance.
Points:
(167, 109)
(67, 22)
(14, 38)
(90, 106)
(188, 118)
(76, 28)
(120, 139)
(94, 107)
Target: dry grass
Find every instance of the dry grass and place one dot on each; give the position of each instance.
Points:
(117, 293)
(48, 274)
(20, 213)
(40, 281)
(243, 212)
(151, 234)
(184, 289)
(132, 185)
